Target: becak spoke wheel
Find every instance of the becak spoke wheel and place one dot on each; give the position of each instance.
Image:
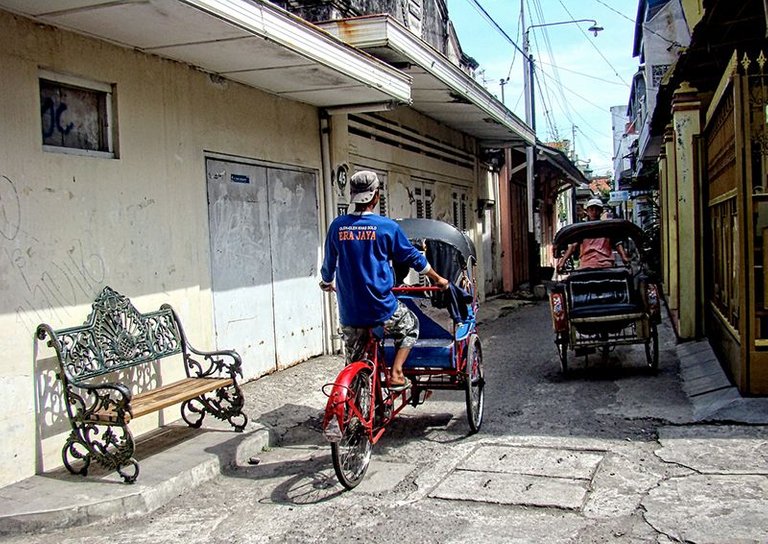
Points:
(475, 384)
(352, 454)
(561, 342)
(652, 349)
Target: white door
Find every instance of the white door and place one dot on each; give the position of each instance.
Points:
(295, 248)
(265, 253)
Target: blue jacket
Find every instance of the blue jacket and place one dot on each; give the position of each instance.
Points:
(358, 251)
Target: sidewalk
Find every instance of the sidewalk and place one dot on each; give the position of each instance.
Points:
(282, 407)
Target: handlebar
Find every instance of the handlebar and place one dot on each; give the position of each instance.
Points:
(414, 289)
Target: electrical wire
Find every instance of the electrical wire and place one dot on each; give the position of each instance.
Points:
(547, 102)
(493, 22)
(552, 126)
(545, 89)
(646, 28)
(514, 53)
(615, 72)
(590, 76)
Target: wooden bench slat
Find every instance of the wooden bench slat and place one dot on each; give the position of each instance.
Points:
(168, 395)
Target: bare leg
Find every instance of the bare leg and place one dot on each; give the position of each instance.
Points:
(397, 376)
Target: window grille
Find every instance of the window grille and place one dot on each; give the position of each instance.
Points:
(460, 209)
(658, 71)
(383, 196)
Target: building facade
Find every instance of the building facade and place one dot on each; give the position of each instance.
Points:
(193, 154)
(710, 117)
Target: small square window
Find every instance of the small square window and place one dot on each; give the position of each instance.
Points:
(76, 115)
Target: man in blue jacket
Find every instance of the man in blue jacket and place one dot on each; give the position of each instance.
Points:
(358, 251)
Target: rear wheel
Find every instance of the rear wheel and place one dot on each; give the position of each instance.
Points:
(475, 383)
(352, 454)
(561, 342)
(652, 349)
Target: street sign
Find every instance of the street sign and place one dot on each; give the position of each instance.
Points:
(619, 196)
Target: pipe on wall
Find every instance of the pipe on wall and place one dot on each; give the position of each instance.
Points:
(330, 344)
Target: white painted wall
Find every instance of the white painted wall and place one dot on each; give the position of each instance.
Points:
(401, 165)
(70, 225)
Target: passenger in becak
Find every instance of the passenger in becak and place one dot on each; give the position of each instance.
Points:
(595, 252)
(358, 250)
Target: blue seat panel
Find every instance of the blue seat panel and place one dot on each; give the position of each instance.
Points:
(427, 353)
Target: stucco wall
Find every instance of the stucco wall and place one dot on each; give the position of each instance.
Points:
(403, 166)
(70, 225)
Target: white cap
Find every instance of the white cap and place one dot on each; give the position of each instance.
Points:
(594, 202)
(363, 187)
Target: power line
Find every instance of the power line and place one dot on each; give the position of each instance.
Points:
(646, 28)
(514, 53)
(590, 76)
(615, 72)
(547, 111)
(548, 44)
(560, 87)
(493, 22)
(574, 93)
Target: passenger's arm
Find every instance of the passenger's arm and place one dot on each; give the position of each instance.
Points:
(568, 252)
(436, 279)
(625, 258)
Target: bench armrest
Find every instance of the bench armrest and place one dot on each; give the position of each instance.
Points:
(206, 364)
(213, 363)
(103, 401)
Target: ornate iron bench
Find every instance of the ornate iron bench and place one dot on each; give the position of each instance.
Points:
(117, 339)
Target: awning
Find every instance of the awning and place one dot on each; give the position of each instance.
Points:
(252, 42)
(726, 27)
(566, 172)
(441, 90)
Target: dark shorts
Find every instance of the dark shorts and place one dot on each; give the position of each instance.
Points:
(403, 327)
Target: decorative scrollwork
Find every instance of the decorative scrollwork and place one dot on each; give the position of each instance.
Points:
(225, 404)
(117, 339)
(758, 101)
(111, 447)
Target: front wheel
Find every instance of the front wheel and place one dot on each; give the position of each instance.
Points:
(475, 383)
(352, 454)
(652, 349)
(561, 342)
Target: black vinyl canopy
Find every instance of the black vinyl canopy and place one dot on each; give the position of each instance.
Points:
(432, 229)
(617, 229)
(449, 250)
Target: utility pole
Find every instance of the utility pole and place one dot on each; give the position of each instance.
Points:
(530, 117)
(530, 107)
(573, 142)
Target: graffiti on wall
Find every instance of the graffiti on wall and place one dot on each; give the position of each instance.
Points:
(43, 286)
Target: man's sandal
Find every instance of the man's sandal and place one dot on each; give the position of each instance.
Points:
(397, 387)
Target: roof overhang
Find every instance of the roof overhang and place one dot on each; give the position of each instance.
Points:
(441, 90)
(251, 42)
(568, 174)
(726, 27)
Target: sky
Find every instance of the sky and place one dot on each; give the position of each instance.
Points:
(579, 77)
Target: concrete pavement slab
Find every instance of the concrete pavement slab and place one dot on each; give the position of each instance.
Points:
(551, 462)
(752, 411)
(710, 509)
(60, 499)
(706, 383)
(715, 449)
(513, 489)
